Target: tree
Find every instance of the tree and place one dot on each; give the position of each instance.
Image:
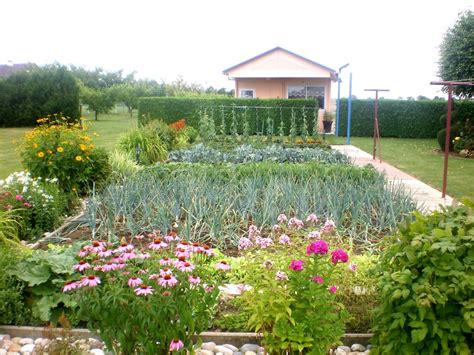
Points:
(129, 93)
(98, 100)
(457, 54)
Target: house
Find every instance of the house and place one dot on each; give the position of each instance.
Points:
(10, 68)
(279, 73)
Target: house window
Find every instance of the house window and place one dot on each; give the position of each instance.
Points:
(247, 93)
(307, 92)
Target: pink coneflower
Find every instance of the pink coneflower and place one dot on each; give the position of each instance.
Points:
(26, 204)
(281, 276)
(282, 218)
(144, 255)
(172, 237)
(117, 259)
(81, 266)
(97, 246)
(167, 281)
(90, 280)
(193, 279)
(312, 218)
(124, 248)
(121, 265)
(98, 268)
(166, 261)
(245, 243)
(83, 253)
(223, 266)
(157, 244)
(134, 281)
(296, 223)
(176, 345)
(328, 226)
(184, 245)
(110, 266)
(19, 197)
(196, 248)
(332, 289)
(180, 252)
(353, 267)
(128, 255)
(263, 242)
(185, 266)
(318, 279)
(139, 237)
(209, 288)
(152, 235)
(105, 253)
(296, 265)
(144, 290)
(314, 235)
(71, 285)
(165, 271)
(284, 239)
(339, 255)
(154, 276)
(208, 251)
(319, 247)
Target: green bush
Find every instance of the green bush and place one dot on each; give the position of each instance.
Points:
(427, 287)
(37, 92)
(224, 111)
(399, 118)
(442, 137)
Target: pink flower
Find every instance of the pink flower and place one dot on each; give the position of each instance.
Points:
(267, 264)
(181, 252)
(90, 280)
(339, 255)
(208, 251)
(165, 271)
(167, 281)
(105, 253)
(176, 345)
(81, 266)
(317, 279)
(19, 197)
(144, 256)
(157, 244)
(185, 266)
(282, 218)
(110, 266)
(26, 204)
(332, 289)
(276, 227)
(70, 285)
(154, 276)
(144, 290)
(209, 288)
(166, 261)
(353, 267)
(223, 266)
(193, 279)
(319, 247)
(172, 237)
(263, 242)
(281, 276)
(125, 248)
(134, 281)
(296, 265)
(329, 225)
(295, 222)
(312, 218)
(83, 253)
(253, 231)
(128, 255)
(314, 235)
(284, 239)
(96, 247)
(245, 243)
(8, 207)
(139, 237)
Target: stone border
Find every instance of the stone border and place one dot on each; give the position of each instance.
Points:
(237, 339)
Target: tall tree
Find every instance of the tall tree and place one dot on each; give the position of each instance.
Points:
(457, 53)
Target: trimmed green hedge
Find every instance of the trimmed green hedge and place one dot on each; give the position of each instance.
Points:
(258, 111)
(400, 118)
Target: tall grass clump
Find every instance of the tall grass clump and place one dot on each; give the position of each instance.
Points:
(216, 203)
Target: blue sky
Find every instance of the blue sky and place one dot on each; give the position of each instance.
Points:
(390, 44)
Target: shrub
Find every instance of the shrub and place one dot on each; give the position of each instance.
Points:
(123, 165)
(30, 94)
(442, 137)
(59, 148)
(292, 299)
(426, 286)
(225, 111)
(151, 147)
(166, 286)
(399, 118)
(37, 204)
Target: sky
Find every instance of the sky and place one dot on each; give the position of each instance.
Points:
(389, 44)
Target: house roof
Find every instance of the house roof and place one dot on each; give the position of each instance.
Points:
(226, 71)
(7, 69)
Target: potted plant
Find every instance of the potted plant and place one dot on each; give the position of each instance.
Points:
(327, 121)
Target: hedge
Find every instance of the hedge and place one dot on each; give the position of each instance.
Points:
(257, 111)
(30, 94)
(400, 118)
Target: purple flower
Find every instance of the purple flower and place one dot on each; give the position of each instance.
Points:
(318, 247)
(245, 243)
(329, 225)
(317, 279)
(282, 218)
(339, 255)
(314, 235)
(312, 218)
(263, 242)
(284, 239)
(295, 222)
(332, 289)
(281, 276)
(296, 265)
(253, 232)
(353, 267)
(176, 345)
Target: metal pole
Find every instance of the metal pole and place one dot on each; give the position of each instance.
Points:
(376, 107)
(349, 107)
(447, 140)
(338, 107)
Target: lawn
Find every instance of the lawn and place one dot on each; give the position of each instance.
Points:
(109, 127)
(421, 158)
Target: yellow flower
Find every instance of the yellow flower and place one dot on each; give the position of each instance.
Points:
(60, 149)
(457, 138)
(40, 154)
(83, 147)
(78, 158)
(35, 145)
(50, 151)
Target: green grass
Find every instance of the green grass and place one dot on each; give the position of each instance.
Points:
(421, 158)
(109, 127)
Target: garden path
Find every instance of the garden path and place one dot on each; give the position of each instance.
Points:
(427, 197)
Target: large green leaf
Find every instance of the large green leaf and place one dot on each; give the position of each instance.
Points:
(34, 274)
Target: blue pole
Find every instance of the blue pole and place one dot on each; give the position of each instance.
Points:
(349, 106)
(338, 107)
